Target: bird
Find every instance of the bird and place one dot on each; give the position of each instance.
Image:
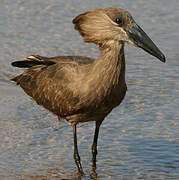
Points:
(82, 89)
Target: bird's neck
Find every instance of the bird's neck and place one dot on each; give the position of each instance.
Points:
(110, 66)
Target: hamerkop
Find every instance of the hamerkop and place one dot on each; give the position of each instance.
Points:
(81, 89)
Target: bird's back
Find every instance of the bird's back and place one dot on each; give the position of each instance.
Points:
(48, 81)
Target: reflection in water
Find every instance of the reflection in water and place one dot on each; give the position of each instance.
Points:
(56, 174)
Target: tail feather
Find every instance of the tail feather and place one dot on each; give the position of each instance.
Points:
(31, 61)
(16, 79)
(26, 64)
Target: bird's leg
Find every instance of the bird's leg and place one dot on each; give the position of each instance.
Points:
(94, 145)
(76, 154)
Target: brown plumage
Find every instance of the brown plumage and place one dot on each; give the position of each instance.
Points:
(82, 89)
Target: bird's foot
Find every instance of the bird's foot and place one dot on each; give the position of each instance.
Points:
(78, 164)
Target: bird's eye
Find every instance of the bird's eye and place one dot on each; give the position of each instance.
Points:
(118, 21)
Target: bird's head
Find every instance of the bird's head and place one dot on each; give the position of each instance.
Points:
(106, 25)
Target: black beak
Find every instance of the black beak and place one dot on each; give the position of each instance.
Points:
(140, 39)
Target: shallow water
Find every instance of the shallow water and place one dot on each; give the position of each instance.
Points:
(138, 140)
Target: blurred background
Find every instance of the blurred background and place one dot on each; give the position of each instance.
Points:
(138, 140)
